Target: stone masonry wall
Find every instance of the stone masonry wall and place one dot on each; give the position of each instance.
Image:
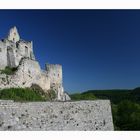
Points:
(13, 49)
(18, 53)
(3, 55)
(79, 115)
(28, 73)
(54, 72)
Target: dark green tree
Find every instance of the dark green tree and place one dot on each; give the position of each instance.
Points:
(128, 116)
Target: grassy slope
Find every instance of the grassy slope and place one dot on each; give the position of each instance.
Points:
(20, 94)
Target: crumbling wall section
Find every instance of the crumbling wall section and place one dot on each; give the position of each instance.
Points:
(3, 55)
(13, 35)
(55, 74)
(28, 73)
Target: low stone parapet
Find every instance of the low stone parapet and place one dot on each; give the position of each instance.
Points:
(78, 115)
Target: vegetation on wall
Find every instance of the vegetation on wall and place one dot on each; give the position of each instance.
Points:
(51, 94)
(35, 93)
(20, 94)
(8, 70)
(48, 95)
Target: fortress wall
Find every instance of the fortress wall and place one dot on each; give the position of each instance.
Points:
(25, 48)
(28, 73)
(79, 115)
(30, 66)
(12, 52)
(13, 49)
(17, 51)
(12, 57)
(3, 55)
(55, 73)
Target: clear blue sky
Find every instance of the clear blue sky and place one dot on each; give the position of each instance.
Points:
(98, 49)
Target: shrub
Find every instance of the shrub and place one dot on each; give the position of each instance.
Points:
(127, 116)
(78, 96)
(136, 94)
(36, 88)
(136, 90)
(8, 70)
(48, 95)
(20, 94)
(51, 94)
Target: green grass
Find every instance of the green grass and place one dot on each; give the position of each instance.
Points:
(8, 71)
(35, 93)
(20, 94)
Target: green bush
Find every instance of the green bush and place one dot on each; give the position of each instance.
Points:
(136, 94)
(20, 94)
(136, 90)
(48, 95)
(114, 115)
(115, 96)
(8, 70)
(126, 116)
(36, 88)
(51, 94)
(88, 96)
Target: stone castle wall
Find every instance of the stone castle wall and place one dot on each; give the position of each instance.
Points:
(18, 53)
(79, 115)
(13, 49)
(28, 73)
(3, 55)
(54, 71)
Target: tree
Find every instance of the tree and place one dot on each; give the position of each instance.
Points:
(128, 116)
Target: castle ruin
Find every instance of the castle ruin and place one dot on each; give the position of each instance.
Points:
(18, 53)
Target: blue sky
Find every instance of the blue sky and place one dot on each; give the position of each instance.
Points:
(98, 49)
